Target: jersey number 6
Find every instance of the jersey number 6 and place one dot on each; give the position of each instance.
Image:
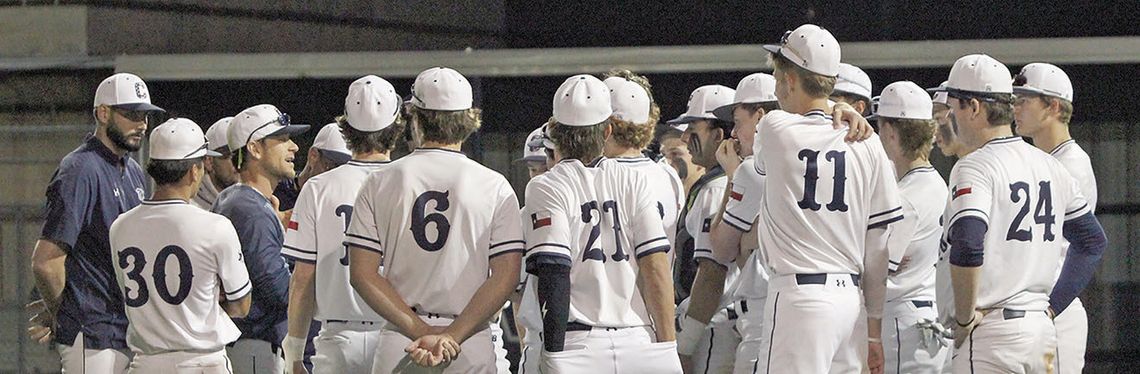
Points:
(420, 220)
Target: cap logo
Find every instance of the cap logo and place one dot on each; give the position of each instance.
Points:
(140, 90)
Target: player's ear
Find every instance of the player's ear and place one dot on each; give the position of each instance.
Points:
(254, 149)
(609, 130)
(102, 114)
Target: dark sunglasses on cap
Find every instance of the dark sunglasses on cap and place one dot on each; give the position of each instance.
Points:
(133, 115)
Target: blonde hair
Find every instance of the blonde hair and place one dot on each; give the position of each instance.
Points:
(916, 136)
(629, 134)
(814, 85)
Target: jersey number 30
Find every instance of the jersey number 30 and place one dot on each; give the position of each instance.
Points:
(132, 261)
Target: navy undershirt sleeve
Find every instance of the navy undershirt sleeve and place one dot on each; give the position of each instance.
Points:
(1086, 246)
(966, 238)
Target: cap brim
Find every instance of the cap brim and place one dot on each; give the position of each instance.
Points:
(935, 89)
(531, 159)
(213, 153)
(684, 120)
(1031, 91)
(140, 107)
(774, 48)
(335, 156)
(724, 112)
(292, 129)
(222, 151)
(835, 91)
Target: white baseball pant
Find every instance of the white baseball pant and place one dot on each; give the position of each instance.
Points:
(1008, 341)
(903, 345)
(477, 353)
(716, 350)
(502, 366)
(252, 356)
(76, 359)
(811, 321)
(345, 347)
(610, 350)
(750, 327)
(181, 363)
(531, 354)
(1072, 338)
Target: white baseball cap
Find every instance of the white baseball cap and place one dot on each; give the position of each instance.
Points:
(702, 102)
(755, 88)
(441, 88)
(1040, 78)
(939, 93)
(630, 101)
(372, 104)
(179, 139)
(125, 90)
(329, 139)
(533, 150)
(905, 100)
(979, 74)
(258, 122)
(216, 136)
(810, 47)
(853, 80)
(582, 100)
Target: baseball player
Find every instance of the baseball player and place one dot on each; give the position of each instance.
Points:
(258, 137)
(597, 245)
(448, 232)
(1009, 205)
(1042, 110)
(715, 349)
(826, 212)
(220, 172)
(853, 86)
(83, 310)
(528, 316)
(182, 286)
(946, 137)
(315, 235)
(904, 114)
(755, 96)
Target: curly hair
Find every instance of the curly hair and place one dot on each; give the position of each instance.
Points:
(629, 134)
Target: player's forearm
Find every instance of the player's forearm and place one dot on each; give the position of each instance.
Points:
(379, 294)
(965, 283)
(50, 273)
(725, 241)
(238, 308)
(488, 299)
(1087, 244)
(656, 284)
(707, 289)
(554, 301)
(302, 299)
(874, 277)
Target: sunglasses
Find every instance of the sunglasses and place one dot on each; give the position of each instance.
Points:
(282, 119)
(132, 115)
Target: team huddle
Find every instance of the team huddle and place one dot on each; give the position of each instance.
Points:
(791, 225)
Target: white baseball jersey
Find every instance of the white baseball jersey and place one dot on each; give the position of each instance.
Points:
(169, 257)
(666, 188)
(699, 221)
(1024, 197)
(821, 194)
(740, 211)
(598, 220)
(315, 234)
(923, 200)
(1078, 164)
(438, 218)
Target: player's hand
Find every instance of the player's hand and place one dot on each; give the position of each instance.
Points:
(298, 368)
(728, 156)
(904, 263)
(875, 358)
(858, 130)
(961, 333)
(1049, 311)
(686, 363)
(432, 350)
(42, 322)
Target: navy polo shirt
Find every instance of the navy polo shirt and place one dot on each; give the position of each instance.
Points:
(88, 191)
(261, 236)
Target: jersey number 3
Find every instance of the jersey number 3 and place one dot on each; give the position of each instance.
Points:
(132, 261)
(420, 220)
(811, 175)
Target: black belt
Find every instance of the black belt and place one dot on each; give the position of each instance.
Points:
(343, 321)
(820, 278)
(434, 315)
(578, 326)
(922, 303)
(1009, 314)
